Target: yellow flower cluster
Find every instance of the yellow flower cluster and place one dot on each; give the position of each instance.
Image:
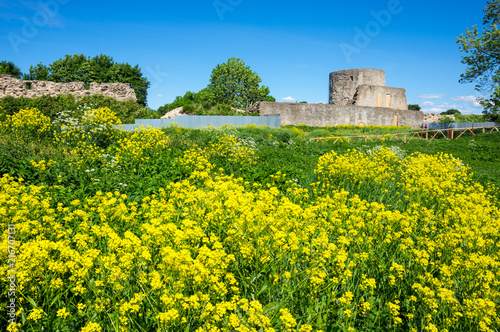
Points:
(28, 122)
(229, 146)
(103, 116)
(42, 164)
(139, 145)
(211, 253)
(356, 167)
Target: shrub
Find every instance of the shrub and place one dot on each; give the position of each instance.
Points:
(50, 106)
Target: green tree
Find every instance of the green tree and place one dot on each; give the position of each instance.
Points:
(414, 107)
(235, 84)
(100, 69)
(10, 68)
(483, 58)
(40, 72)
(451, 111)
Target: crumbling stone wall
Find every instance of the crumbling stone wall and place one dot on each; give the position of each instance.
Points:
(320, 115)
(381, 96)
(11, 86)
(433, 117)
(364, 87)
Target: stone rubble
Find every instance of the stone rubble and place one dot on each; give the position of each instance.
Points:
(436, 118)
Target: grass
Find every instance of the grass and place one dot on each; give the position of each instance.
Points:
(250, 228)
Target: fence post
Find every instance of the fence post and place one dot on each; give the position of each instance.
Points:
(405, 138)
(473, 130)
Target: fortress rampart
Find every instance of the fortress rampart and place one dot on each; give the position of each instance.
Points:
(356, 97)
(11, 86)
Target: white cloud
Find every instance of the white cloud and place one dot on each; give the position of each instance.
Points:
(472, 100)
(446, 105)
(432, 96)
(160, 96)
(436, 108)
(289, 99)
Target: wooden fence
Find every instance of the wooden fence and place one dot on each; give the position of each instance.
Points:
(427, 135)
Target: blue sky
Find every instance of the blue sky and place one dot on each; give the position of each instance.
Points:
(292, 45)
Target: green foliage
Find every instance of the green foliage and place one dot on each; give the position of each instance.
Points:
(465, 118)
(100, 69)
(446, 119)
(414, 107)
(237, 85)
(451, 111)
(203, 97)
(492, 105)
(10, 68)
(51, 106)
(483, 59)
(470, 118)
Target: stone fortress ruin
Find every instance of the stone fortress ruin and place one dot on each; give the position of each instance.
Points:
(11, 86)
(365, 87)
(356, 97)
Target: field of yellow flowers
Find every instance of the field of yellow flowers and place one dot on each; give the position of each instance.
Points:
(377, 241)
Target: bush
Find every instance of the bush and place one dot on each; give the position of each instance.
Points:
(127, 111)
(190, 98)
(465, 118)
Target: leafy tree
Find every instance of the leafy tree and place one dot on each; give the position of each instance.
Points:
(483, 59)
(237, 85)
(10, 68)
(40, 72)
(451, 111)
(100, 69)
(414, 107)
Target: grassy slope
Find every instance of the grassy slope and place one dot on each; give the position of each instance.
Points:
(285, 150)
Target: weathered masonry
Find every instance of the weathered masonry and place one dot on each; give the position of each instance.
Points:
(356, 97)
(365, 87)
(10, 86)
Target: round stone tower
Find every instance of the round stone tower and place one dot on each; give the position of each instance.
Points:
(344, 83)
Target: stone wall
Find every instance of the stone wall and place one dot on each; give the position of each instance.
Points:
(10, 86)
(320, 115)
(381, 96)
